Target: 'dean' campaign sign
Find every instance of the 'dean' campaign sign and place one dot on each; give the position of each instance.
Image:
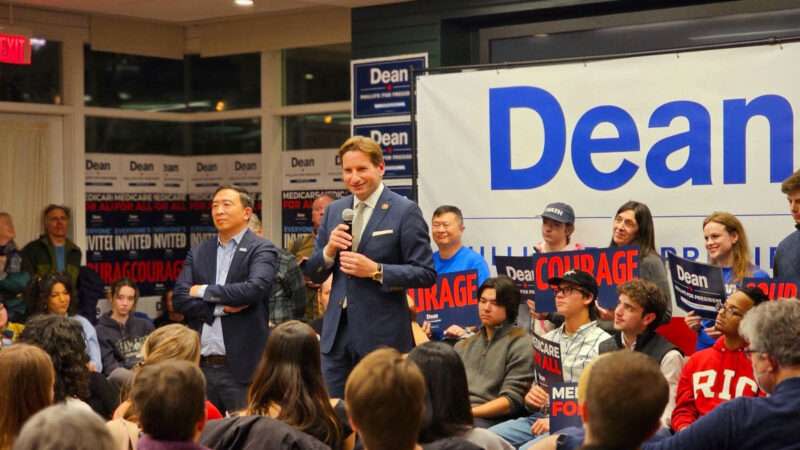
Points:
(520, 270)
(609, 266)
(564, 408)
(395, 141)
(382, 87)
(451, 301)
(698, 287)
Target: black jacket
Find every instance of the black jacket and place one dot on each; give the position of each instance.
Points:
(256, 433)
(120, 344)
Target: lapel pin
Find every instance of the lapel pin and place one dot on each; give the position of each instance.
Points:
(385, 206)
(242, 249)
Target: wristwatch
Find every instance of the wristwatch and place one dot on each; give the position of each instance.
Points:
(378, 275)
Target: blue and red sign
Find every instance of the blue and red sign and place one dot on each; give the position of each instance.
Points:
(383, 88)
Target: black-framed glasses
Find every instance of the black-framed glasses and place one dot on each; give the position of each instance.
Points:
(567, 290)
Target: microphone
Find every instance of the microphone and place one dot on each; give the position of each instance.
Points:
(347, 218)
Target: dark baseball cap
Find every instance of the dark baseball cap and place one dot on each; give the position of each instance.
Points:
(560, 212)
(583, 280)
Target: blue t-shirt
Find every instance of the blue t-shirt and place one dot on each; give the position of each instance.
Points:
(464, 259)
(705, 341)
(61, 264)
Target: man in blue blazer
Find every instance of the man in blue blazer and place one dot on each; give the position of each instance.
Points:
(221, 291)
(391, 252)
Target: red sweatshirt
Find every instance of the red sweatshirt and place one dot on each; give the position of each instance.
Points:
(710, 377)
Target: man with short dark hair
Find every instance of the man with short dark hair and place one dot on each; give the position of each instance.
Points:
(498, 359)
(221, 292)
(374, 260)
(637, 315)
(447, 228)
(625, 397)
(53, 252)
(12, 278)
(787, 255)
(169, 398)
(385, 398)
(579, 338)
(721, 372)
(762, 423)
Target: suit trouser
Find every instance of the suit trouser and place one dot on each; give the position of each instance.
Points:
(222, 389)
(339, 362)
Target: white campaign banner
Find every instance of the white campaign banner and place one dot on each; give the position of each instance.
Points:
(687, 134)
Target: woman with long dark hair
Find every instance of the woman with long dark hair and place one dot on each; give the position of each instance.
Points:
(448, 412)
(633, 225)
(62, 339)
(51, 294)
(288, 385)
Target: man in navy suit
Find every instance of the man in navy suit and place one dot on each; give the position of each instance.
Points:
(387, 252)
(221, 290)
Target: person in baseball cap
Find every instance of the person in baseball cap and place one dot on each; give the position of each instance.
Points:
(558, 224)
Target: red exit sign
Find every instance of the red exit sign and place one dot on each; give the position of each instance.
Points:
(15, 49)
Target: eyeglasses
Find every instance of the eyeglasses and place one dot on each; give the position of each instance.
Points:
(729, 310)
(567, 290)
(751, 351)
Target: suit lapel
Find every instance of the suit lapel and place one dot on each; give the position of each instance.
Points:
(381, 209)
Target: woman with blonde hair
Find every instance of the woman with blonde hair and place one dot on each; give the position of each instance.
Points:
(26, 387)
(728, 248)
(174, 342)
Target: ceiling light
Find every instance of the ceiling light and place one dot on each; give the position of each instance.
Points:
(243, 2)
(309, 76)
(327, 120)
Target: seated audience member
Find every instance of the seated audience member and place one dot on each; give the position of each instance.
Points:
(762, 423)
(722, 372)
(169, 398)
(9, 331)
(447, 228)
(287, 299)
(622, 415)
(633, 225)
(726, 243)
(168, 313)
(558, 225)
(53, 252)
(448, 412)
(62, 339)
(637, 315)
(26, 386)
(787, 255)
(499, 357)
(174, 342)
(323, 295)
(121, 334)
(64, 427)
(288, 386)
(12, 278)
(579, 338)
(52, 295)
(385, 396)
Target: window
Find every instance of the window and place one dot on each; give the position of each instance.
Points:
(316, 131)
(39, 82)
(316, 74)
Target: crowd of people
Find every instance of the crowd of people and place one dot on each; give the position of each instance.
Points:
(312, 347)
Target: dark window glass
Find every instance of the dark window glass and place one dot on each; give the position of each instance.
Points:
(224, 83)
(226, 137)
(39, 82)
(105, 135)
(142, 83)
(316, 131)
(316, 74)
